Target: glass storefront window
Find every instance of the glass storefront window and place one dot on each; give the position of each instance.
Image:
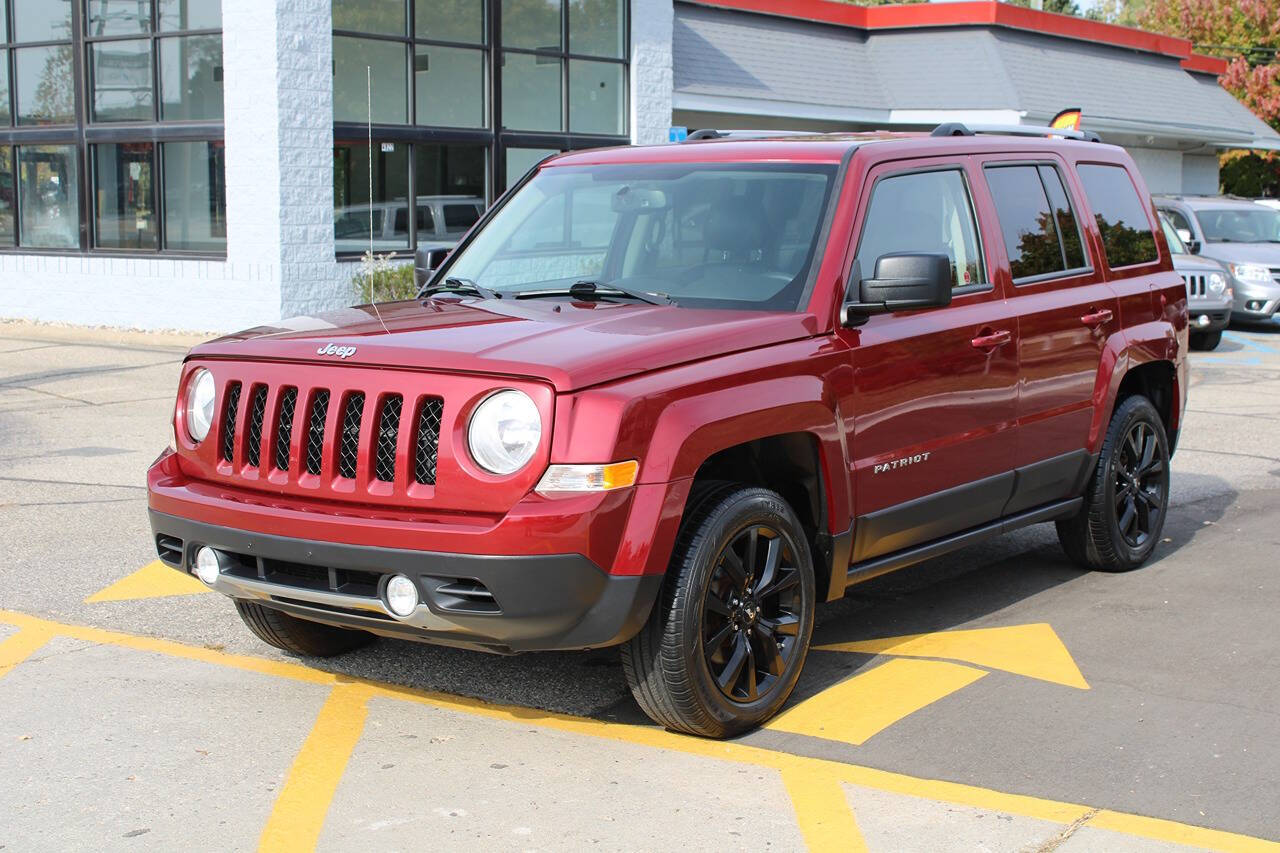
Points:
(112, 18)
(595, 27)
(195, 196)
(48, 196)
(41, 20)
(353, 60)
(531, 24)
(45, 85)
(531, 92)
(4, 88)
(124, 196)
(449, 86)
(521, 160)
(190, 15)
(121, 80)
(450, 190)
(449, 20)
(191, 78)
(595, 97)
(356, 221)
(7, 198)
(370, 16)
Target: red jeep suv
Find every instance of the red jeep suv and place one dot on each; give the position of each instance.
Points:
(670, 398)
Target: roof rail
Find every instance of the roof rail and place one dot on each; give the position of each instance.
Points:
(713, 133)
(955, 128)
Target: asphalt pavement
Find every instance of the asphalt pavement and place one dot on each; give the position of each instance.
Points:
(997, 698)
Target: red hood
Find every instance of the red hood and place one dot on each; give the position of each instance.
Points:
(569, 344)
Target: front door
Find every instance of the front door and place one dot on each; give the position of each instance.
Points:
(931, 426)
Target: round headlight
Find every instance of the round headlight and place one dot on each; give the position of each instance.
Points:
(200, 396)
(1217, 283)
(504, 432)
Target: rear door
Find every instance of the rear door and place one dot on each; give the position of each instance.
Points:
(931, 423)
(1065, 310)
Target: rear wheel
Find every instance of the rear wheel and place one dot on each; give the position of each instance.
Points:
(1206, 340)
(298, 636)
(725, 643)
(1128, 498)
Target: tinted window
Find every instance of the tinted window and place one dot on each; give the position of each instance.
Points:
(426, 222)
(1039, 228)
(1064, 217)
(1122, 218)
(1179, 221)
(925, 212)
(460, 217)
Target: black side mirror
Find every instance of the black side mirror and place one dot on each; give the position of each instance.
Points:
(426, 261)
(903, 281)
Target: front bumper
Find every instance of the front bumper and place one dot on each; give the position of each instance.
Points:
(1218, 315)
(1255, 301)
(494, 603)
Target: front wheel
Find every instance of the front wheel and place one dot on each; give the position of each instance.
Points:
(298, 636)
(1128, 497)
(1205, 341)
(726, 640)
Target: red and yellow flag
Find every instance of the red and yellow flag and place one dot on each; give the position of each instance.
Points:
(1068, 119)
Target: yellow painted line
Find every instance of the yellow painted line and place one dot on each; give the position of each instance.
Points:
(22, 645)
(857, 708)
(154, 580)
(931, 789)
(1031, 650)
(822, 810)
(300, 809)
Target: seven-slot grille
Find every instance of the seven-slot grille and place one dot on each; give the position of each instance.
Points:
(388, 413)
(1195, 285)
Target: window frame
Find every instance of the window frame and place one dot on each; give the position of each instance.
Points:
(1149, 210)
(84, 133)
(1074, 203)
(950, 165)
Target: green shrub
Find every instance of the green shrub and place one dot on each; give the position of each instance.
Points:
(379, 280)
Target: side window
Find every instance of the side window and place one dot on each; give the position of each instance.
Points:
(459, 217)
(426, 222)
(1180, 223)
(927, 212)
(1039, 228)
(1122, 219)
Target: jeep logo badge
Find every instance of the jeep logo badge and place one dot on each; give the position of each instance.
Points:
(340, 352)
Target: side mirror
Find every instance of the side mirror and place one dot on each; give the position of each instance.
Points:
(1184, 234)
(426, 261)
(902, 282)
(1193, 246)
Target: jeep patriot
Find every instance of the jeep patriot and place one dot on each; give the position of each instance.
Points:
(671, 398)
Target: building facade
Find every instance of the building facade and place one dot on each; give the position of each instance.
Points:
(206, 165)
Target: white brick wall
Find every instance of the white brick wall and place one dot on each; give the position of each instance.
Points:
(651, 76)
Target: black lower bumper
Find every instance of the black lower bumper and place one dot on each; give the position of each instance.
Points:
(494, 603)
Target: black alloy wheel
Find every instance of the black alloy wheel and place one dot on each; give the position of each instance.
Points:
(1139, 485)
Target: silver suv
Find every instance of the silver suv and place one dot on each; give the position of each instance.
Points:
(1244, 236)
(1209, 296)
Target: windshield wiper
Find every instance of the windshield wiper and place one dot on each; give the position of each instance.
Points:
(592, 290)
(459, 285)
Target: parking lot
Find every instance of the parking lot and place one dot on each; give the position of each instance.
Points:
(997, 698)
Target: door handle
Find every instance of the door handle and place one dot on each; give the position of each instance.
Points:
(1097, 318)
(993, 340)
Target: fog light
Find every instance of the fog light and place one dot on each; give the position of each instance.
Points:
(402, 596)
(208, 566)
(1254, 305)
(1203, 320)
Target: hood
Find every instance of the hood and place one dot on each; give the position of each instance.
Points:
(568, 344)
(1196, 264)
(1267, 254)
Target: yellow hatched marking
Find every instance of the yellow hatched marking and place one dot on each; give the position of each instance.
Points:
(154, 580)
(300, 809)
(22, 645)
(822, 811)
(1031, 650)
(885, 780)
(870, 702)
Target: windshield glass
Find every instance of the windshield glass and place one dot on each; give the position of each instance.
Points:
(1176, 246)
(707, 235)
(1240, 225)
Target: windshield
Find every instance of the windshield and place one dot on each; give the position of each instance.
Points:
(1240, 225)
(1176, 246)
(707, 235)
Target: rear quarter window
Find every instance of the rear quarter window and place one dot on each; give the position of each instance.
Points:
(1041, 236)
(1122, 217)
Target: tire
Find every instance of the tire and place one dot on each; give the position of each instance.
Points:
(1128, 496)
(299, 636)
(755, 617)
(1205, 341)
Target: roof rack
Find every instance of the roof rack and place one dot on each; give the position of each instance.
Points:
(712, 133)
(955, 128)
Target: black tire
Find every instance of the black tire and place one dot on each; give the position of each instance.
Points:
(713, 599)
(299, 636)
(1128, 497)
(1205, 341)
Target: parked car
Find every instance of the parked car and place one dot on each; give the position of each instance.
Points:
(442, 220)
(1273, 203)
(670, 398)
(1244, 236)
(1209, 296)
